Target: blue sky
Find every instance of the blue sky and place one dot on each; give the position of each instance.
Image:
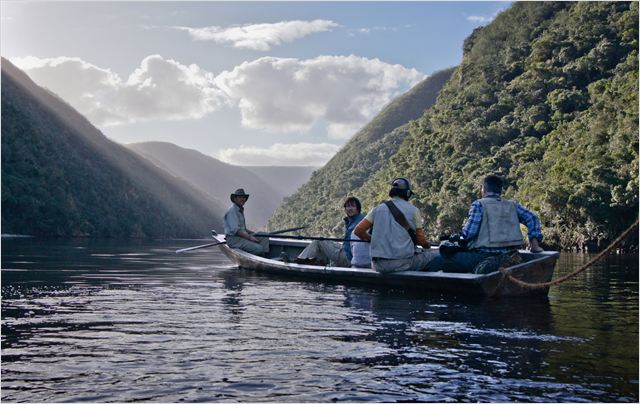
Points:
(251, 83)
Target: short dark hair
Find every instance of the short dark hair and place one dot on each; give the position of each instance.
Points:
(402, 193)
(352, 200)
(492, 183)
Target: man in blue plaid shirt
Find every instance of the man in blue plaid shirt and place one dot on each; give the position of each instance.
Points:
(492, 229)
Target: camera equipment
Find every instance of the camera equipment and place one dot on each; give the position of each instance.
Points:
(452, 244)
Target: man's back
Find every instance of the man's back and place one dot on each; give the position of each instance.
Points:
(389, 239)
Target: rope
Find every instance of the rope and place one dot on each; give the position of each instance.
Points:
(507, 274)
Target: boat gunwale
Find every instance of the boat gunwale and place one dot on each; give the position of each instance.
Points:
(292, 267)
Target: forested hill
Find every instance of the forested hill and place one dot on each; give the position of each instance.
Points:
(220, 179)
(547, 96)
(318, 203)
(62, 177)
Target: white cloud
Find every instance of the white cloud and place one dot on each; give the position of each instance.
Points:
(342, 130)
(261, 37)
(291, 95)
(81, 84)
(158, 89)
(297, 154)
(484, 19)
(341, 93)
(377, 28)
(479, 18)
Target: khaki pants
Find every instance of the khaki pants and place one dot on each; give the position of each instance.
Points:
(327, 251)
(418, 262)
(249, 246)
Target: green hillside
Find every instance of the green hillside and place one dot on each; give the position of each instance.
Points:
(318, 203)
(62, 177)
(547, 96)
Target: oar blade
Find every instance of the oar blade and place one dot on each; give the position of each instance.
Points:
(198, 247)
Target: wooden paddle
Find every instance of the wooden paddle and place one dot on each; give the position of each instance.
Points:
(313, 238)
(199, 246)
(224, 242)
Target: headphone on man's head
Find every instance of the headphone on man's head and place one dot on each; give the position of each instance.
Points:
(402, 184)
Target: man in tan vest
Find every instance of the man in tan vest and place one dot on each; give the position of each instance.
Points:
(491, 231)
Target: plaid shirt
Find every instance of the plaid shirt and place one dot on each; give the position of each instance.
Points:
(472, 225)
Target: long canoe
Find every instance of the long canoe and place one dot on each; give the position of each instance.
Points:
(535, 268)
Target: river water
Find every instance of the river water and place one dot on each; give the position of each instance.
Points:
(132, 321)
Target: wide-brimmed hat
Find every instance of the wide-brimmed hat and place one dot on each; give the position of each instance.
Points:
(239, 192)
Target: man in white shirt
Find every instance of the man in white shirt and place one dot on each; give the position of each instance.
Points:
(394, 245)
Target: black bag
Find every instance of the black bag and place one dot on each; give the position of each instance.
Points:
(452, 244)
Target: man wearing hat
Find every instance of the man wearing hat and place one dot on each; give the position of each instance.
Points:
(235, 227)
(397, 231)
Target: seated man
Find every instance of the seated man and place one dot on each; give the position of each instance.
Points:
(329, 252)
(235, 228)
(491, 230)
(397, 231)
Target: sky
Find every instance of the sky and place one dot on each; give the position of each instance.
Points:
(249, 83)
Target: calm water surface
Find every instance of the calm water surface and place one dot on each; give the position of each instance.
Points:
(131, 321)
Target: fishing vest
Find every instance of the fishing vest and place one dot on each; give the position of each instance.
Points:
(389, 239)
(500, 226)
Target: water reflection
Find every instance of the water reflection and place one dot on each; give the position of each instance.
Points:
(458, 345)
(121, 322)
(233, 297)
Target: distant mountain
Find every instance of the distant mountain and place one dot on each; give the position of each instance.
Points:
(62, 177)
(283, 179)
(318, 203)
(266, 185)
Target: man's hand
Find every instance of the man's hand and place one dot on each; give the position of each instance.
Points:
(534, 247)
(248, 235)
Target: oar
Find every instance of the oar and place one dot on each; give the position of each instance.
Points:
(313, 238)
(223, 242)
(199, 246)
(279, 231)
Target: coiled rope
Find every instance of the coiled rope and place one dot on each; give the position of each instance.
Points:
(506, 274)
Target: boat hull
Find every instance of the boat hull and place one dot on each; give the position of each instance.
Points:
(537, 268)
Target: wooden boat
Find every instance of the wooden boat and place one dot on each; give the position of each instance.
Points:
(535, 268)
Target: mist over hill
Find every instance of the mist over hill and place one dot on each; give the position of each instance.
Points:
(285, 180)
(266, 185)
(547, 97)
(62, 177)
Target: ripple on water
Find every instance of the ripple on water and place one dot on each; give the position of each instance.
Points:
(144, 324)
(465, 328)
